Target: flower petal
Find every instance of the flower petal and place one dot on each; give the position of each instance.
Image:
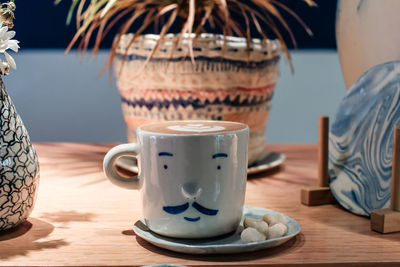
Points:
(3, 30)
(10, 34)
(3, 47)
(10, 60)
(13, 45)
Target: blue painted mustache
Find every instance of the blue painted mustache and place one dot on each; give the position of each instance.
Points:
(204, 210)
(181, 208)
(176, 209)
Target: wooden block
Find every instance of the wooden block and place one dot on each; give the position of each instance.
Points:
(323, 148)
(315, 195)
(388, 220)
(395, 183)
(385, 221)
(321, 194)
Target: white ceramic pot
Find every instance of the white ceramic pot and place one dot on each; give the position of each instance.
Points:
(367, 34)
(226, 82)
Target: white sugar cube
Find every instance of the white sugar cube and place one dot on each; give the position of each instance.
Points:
(250, 234)
(259, 225)
(272, 219)
(250, 222)
(262, 227)
(277, 230)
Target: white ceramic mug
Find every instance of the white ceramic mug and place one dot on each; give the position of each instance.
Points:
(192, 176)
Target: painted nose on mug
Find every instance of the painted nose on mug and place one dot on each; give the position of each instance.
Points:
(191, 191)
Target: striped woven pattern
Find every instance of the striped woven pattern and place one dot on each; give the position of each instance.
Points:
(236, 87)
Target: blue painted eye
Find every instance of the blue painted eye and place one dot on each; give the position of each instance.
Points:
(165, 167)
(219, 167)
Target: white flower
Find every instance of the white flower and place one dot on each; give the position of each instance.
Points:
(6, 43)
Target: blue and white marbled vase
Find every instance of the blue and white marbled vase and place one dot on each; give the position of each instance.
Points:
(361, 140)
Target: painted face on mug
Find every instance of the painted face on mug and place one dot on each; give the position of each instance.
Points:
(192, 193)
(194, 179)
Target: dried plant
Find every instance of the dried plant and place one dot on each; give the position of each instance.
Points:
(102, 15)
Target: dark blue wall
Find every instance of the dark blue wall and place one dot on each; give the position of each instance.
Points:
(42, 25)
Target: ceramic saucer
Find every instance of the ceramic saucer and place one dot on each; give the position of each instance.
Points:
(230, 243)
(267, 161)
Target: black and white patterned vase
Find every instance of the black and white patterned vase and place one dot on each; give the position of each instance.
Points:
(19, 173)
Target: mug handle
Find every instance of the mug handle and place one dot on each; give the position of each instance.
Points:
(109, 163)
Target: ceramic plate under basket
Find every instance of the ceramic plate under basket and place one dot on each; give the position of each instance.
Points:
(267, 161)
(230, 243)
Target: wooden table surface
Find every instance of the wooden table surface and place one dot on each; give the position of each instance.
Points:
(82, 219)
